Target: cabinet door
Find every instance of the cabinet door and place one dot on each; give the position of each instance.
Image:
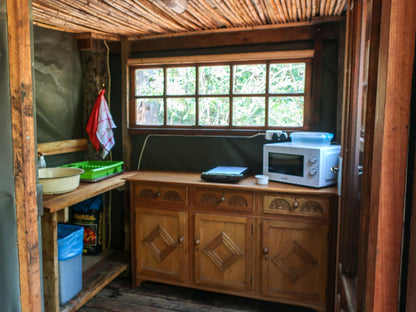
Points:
(161, 243)
(223, 251)
(295, 260)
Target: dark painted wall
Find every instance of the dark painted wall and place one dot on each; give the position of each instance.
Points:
(9, 263)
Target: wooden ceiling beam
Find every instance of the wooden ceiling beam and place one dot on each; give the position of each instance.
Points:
(255, 35)
(85, 40)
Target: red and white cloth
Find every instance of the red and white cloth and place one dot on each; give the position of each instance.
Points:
(100, 125)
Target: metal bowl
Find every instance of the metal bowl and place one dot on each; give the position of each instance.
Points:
(59, 180)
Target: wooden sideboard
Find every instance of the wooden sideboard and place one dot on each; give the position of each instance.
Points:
(274, 242)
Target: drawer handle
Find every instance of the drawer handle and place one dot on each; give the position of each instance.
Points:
(295, 205)
(181, 240)
(265, 250)
(222, 199)
(197, 242)
(158, 193)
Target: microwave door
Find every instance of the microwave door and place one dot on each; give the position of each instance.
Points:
(286, 164)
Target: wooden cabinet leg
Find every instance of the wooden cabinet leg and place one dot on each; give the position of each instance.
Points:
(50, 262)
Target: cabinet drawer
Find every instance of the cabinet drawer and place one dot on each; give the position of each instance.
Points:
(288, 204)
(222, 199)
(161, 193)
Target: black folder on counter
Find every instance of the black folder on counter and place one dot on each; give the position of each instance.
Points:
(225, 174)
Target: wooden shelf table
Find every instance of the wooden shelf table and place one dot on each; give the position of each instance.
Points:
(98, 271)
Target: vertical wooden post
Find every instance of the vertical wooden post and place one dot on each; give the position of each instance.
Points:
(125, 95)
(50, 261)
(21, 98)
(389, 157)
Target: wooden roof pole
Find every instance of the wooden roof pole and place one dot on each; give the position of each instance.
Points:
(21, 98)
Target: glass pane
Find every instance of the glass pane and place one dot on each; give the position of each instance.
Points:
(214, 79)
(181, 80)
(249, 111)
(149, 81)
(249, 79)
(181, 111)
(286, 111)
(287, 78)
(149, 111)
(214, 111)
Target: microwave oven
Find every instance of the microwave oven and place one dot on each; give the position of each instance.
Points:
(302, 164)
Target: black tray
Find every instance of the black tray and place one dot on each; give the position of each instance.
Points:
(224, 174)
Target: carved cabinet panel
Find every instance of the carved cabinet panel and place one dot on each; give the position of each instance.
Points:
(266, 242)
(299, 205)
(222, 199)
(223, 251)
(166, 195)
(295, 260)
(161, 243)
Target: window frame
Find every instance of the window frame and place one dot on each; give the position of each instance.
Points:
(304, 56)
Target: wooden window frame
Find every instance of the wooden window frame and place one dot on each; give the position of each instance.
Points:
(304, 56)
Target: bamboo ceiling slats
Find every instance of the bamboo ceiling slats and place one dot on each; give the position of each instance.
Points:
(145, 18)
(188, 23)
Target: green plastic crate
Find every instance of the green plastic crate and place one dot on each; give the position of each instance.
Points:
(96, 170)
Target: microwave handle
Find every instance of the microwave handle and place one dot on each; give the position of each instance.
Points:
(338, 169)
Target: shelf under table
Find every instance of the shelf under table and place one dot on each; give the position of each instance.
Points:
(97, 272)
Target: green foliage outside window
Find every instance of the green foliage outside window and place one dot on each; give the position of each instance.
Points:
(231, 95)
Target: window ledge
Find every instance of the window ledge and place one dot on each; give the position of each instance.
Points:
(203, 131)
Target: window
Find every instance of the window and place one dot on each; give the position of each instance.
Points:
(213, 94)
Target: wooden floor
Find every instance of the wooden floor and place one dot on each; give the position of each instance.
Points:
(154, 297)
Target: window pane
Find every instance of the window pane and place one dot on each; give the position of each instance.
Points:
(286, 111)
(249, 79)
(214, 111)
(149, 111)
(181, 111)
(214, 79)
(287, 78)
(181, 80)
(249, 111)
(149, 81)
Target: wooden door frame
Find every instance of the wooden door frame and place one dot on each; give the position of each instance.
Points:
(385, 167)
(349, 202)
(24, 166)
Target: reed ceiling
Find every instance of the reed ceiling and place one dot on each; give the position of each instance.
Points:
(137, 19)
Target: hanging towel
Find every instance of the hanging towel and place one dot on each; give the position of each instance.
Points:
(100, 125)
(92, 123)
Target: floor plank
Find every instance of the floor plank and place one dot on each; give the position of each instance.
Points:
(155, 297)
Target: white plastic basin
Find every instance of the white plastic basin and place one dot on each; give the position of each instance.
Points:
(59, 180)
